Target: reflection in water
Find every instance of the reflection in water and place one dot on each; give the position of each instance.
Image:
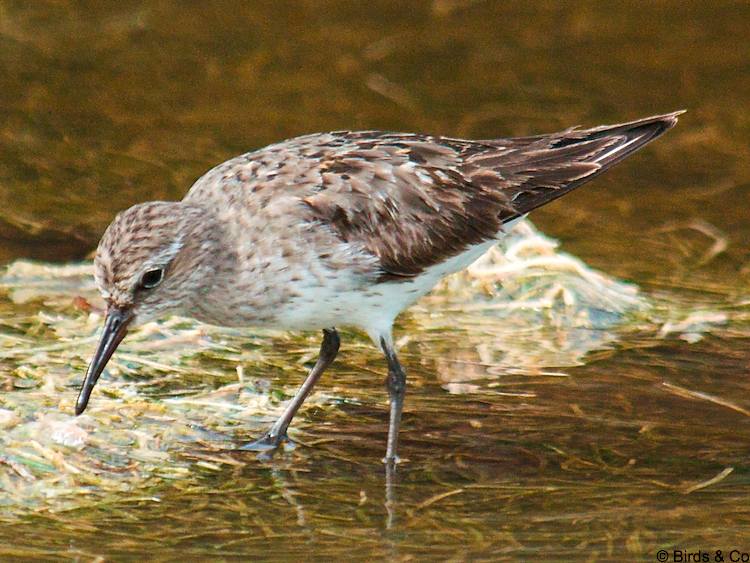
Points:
(525, 308)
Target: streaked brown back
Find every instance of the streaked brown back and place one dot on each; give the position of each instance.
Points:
(414, 201)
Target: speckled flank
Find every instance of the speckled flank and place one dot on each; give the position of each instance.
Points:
(343, 228)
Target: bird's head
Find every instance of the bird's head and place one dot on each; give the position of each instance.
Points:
(154, 259)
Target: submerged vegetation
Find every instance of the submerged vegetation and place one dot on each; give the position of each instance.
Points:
(181, 395)
(553, 410)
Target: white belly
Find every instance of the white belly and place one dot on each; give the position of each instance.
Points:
(371, 308)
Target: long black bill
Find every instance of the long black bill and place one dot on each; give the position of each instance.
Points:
(115, 329)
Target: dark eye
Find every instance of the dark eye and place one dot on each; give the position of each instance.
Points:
(152, 278)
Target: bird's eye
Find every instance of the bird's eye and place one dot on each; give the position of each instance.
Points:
(152, 278)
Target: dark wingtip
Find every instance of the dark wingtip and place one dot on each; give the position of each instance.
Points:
(669, 118)
(674, 115)
(622, 140)
(663, 122)
(636, 134)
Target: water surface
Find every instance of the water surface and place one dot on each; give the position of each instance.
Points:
(605, 440)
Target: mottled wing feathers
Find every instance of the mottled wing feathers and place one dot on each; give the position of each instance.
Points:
(414, 201)
(407, 201)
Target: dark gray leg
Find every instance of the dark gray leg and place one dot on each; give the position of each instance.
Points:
(391, 508)
(277, 434)
(396, 384)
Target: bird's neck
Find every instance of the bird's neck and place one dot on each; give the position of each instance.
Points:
(215, 264)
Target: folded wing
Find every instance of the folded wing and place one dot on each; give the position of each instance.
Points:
(414, 200)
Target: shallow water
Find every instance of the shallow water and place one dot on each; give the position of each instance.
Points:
(580, 430)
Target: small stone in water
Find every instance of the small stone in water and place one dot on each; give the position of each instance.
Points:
(8, 418)
(69, 434)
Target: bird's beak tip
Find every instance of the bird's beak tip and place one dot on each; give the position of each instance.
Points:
(115, 328)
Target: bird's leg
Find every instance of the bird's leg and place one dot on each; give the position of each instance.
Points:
(277, 433)
(396, 383)
(390, 495)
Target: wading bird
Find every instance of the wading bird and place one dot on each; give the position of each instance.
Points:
(336, 229)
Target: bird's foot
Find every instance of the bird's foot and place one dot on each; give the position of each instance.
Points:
(269, 443)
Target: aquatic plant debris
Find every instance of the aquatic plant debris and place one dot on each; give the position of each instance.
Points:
(170, 405)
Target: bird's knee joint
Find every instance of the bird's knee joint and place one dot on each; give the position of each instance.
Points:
(396, 382)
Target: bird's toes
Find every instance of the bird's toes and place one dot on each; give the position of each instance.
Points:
(269, 443)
